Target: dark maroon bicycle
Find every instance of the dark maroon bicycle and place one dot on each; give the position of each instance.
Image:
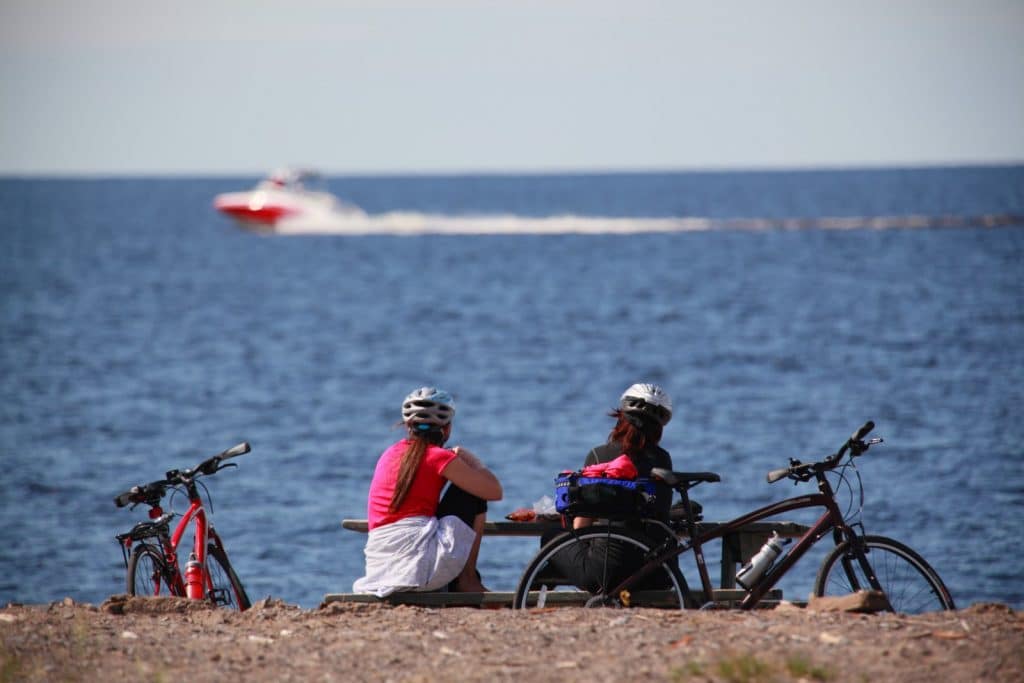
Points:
(859, 561)
(151, 551)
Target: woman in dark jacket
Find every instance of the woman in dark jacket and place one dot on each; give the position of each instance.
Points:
(644, 410)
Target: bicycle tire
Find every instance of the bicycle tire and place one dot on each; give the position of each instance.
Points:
(227, 588)
(909, 582)
(148, 573)
(526, 597)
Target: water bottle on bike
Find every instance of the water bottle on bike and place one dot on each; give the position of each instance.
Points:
(760, 562)
(193, 578)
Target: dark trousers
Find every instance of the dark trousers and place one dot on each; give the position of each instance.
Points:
(600, 564)
(463, 505)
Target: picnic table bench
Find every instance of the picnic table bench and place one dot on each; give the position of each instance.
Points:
(737, 548)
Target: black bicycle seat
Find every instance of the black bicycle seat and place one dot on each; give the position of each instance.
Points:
(686, 479)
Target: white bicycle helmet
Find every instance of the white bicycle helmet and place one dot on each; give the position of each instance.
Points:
(647, 400)
(428, 406)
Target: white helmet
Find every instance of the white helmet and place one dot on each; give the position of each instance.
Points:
(428, 406)
(649, 400)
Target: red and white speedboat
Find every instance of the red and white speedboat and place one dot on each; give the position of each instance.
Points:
(285, 195)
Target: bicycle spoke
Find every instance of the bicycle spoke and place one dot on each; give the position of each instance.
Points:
(909, 583)
(543, 579)
(223, 586)
(148, 575)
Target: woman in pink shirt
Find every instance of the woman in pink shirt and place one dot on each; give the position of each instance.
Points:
(418, 539)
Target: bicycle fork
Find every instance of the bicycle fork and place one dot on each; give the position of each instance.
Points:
(857, 551)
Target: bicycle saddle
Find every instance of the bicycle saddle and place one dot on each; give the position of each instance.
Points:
(687, 479)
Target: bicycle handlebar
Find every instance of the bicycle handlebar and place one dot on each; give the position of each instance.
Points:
(152, 492)
(804, 471)
(863, 431)
(211, 465)
(855, 442)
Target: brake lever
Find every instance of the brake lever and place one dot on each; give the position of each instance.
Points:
(861, 447)
(793, 464)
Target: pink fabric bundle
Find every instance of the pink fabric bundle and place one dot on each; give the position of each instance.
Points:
(619, 468)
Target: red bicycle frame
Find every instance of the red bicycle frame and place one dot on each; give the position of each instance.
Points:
(201, 583)
(196, 587)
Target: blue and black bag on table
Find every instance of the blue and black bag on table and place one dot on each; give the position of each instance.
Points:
(603, 497)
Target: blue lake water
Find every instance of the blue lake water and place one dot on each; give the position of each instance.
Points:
(140, 331)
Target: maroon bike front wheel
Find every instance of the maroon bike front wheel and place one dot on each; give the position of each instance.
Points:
(908, 581)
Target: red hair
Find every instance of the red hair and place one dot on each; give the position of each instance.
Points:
(633, 434)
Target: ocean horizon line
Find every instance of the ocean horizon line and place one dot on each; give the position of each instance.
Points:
(568, 172)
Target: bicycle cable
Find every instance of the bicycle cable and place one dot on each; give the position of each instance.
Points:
(856, 499)
(175, 491)
(209, 500)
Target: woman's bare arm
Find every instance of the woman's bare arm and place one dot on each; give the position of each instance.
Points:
(469, 474)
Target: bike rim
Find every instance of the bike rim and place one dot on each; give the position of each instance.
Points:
(149, 578)
(531, 593)
(908, 583)
(219, 590)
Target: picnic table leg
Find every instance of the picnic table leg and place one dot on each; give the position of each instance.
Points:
(730, 558)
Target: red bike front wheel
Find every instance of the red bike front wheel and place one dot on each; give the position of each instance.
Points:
(227, 588)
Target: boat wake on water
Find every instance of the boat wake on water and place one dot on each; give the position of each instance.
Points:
(294, 201)
(414, 223)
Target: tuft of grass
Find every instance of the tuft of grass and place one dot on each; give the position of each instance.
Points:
(799, 667)
(747, 668)
(11, 667)
(692, 669)
(744, 668)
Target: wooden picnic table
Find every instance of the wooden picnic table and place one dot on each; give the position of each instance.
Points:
(737, 547)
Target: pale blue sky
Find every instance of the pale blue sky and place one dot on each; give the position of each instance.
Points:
(215, 86)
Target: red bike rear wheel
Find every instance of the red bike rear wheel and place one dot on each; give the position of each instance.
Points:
(148, 573)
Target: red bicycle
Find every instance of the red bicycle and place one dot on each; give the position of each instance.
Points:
(152, 563)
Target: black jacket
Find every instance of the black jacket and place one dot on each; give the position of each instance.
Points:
(650, 457)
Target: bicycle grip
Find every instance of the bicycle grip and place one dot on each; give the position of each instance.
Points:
(240, 449)
(775, 475)
(126, 498)
(863, 431)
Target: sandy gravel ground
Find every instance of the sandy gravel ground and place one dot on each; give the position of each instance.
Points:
(172, 639)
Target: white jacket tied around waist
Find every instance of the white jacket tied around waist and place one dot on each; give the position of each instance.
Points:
(415, 553)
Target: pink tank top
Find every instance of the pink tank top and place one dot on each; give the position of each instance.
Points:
(423, 495)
